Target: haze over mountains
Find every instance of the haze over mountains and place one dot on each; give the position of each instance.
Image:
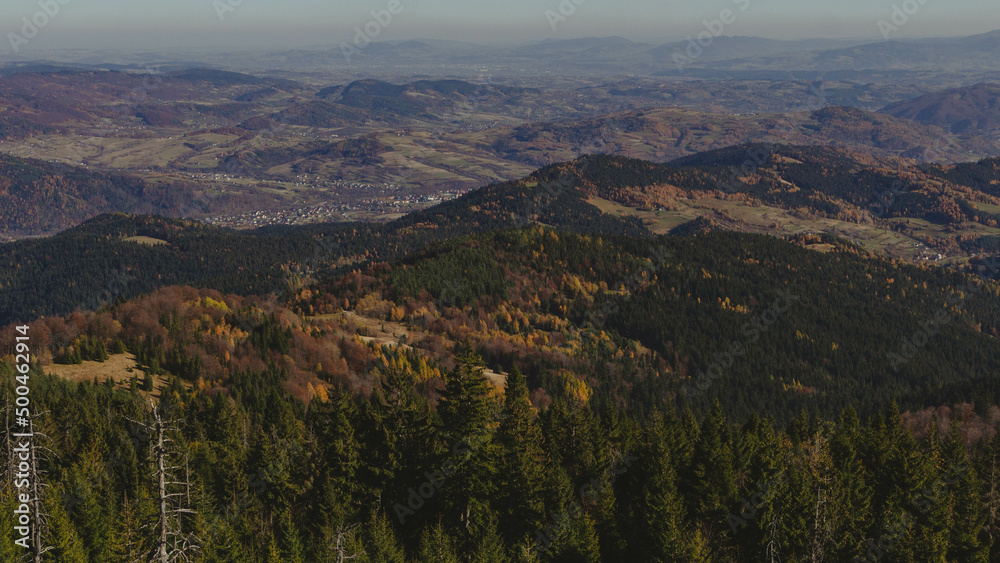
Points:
(739, 55)
(228, 143)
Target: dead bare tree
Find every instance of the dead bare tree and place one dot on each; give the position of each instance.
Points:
(340, 544)
(172, 545)
(41, 517)
(10, 465)
(11, 470)
(772, 545)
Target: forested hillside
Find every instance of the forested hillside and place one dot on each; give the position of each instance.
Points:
(751, 321)
(963, 110)
(40, 197)
(56, 275)
(747, 320)
(469, 473)
(513, 375)
(100, 260)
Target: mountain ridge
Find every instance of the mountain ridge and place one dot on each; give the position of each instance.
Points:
(968, 109)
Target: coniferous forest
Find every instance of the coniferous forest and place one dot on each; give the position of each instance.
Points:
(480, 476)
(532, 395)
(465, 384)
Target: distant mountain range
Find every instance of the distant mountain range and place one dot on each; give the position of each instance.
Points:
(439, 134)
(724, 48)
(739, 54)
(736, 55)
(731, 53)
(725, 52)
(666, 133)
(961, 110)
(950, 126)
(976, 53)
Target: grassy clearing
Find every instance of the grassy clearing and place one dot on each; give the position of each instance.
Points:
(738, 216)
(121, 368)
(987, 207)
(150, 241)
(659, 222)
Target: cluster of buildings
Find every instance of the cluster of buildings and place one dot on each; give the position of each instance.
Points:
(362, 209)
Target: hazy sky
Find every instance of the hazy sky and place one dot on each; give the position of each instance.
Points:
(247, 24)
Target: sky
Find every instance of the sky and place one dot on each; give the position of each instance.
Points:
(148, 25)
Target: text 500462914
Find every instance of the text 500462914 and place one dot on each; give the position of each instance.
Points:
(23, 438)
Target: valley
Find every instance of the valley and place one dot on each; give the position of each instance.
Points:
(369, 149)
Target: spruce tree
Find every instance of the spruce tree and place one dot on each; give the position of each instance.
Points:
(336, 484)
(660, 518)
(465, 406)
(67, 546)
(850, 501)
(466, 421)
(380, 542)
(289, 542)
(967, 516)
(711, 481)
(436, 546)
(520, 501)
(489, 544)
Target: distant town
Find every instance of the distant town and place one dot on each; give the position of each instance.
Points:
(365, 209)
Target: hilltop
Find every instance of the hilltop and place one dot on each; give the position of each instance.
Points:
(947, 214)
(38, 197)
(972, 109)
